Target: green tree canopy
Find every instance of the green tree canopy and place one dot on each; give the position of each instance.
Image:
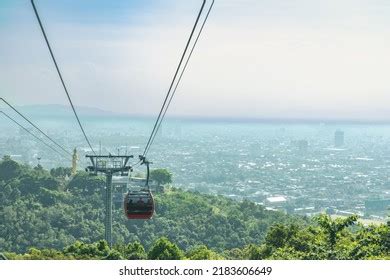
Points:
(161, 176)
(135, 251)
(333, 228)
(61, 172)
(85, 183)
(163, 249)
(201, 252)
(9, 169)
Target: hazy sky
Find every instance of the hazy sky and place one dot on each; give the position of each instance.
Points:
(324, 59)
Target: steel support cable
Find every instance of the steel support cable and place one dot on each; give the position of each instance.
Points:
(60, 75)
(29, 132)
(36, 127)
(174, 78)
(180, 77)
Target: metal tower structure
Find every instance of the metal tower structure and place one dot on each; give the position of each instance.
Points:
(75, 158)
(109, 165)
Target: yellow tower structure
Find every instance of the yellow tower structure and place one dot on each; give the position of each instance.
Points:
(75, 158)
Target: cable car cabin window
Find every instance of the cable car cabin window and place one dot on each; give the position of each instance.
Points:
(139, 205)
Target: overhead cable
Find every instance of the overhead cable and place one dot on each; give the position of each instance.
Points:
(35, 126)
(60, 75)
(180, 77)
(174, 78)
(29, 132)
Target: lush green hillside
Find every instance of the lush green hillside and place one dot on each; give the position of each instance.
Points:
(42, 209)
(45, 216)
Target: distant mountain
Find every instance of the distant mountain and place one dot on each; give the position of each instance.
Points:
(56, 110)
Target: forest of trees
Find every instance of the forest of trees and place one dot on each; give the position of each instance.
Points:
(49, 215)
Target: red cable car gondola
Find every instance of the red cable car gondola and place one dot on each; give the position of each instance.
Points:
(139, 205)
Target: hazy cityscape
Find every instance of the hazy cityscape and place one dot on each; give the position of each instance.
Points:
(299, 168)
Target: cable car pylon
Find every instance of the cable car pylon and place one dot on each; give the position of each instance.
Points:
(109, 166)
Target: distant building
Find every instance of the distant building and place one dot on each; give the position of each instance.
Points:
(330, 211)
(275, 202)
(118, 198)
(303, 145)
(16, 157)
(276, 199)
(178, 130)
(339, 138)
(376, 205)
(23, 133)
(159, 133)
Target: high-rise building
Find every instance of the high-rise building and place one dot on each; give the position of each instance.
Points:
(303, 145)
(339, 138)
